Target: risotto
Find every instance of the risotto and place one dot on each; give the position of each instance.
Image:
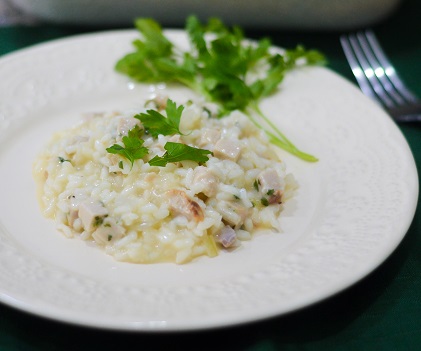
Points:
(145, 213)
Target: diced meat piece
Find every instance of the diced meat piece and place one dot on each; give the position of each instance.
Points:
(227, 149)
(92, 215)
(275, 197)
(270, 186)
(181, 204)
(209, 137)
(269, 180)
(205, 181)
(227, 236)
(108, 232)
(125, 124)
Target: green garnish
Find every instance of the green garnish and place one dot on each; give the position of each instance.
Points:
(176, 152)
(61, 159)
(264, 201)
(109, 237)
(207, 111)
(221, 66)
(98, 221)
(155, 123)
(256, 185)
(270, 192)
(133, 149)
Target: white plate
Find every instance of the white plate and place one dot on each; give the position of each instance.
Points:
(353, 207)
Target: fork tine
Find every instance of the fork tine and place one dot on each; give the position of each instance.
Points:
(374, 72)
(359, 48)
(356, 68)
(377, 77)
(371, 50)
(388, 68)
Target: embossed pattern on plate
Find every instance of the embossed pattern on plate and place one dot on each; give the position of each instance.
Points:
(352, 209)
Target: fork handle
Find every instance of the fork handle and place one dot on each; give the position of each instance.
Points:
(408, 118)
(408, 113)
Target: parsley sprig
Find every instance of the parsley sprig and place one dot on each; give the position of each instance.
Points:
(154, 123)
(221, 65)
(133, 148)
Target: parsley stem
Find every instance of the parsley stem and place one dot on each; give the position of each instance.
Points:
(291, 148)
(280, 139)
(281, 135)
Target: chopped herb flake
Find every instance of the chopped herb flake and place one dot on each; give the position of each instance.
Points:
(256, 185)
(61, 159)
(98, 221)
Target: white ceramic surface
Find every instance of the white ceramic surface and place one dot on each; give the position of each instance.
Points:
(307, 14)
(352, 209)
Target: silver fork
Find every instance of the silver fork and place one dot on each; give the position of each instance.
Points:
(377, 77)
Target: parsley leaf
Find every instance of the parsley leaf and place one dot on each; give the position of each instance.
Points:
(133, 149)
(176, 152)
(155, 123)
(142, 64)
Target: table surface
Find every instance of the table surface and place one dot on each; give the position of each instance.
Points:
(382, 312)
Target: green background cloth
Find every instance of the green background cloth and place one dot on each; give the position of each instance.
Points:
(381, 312)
